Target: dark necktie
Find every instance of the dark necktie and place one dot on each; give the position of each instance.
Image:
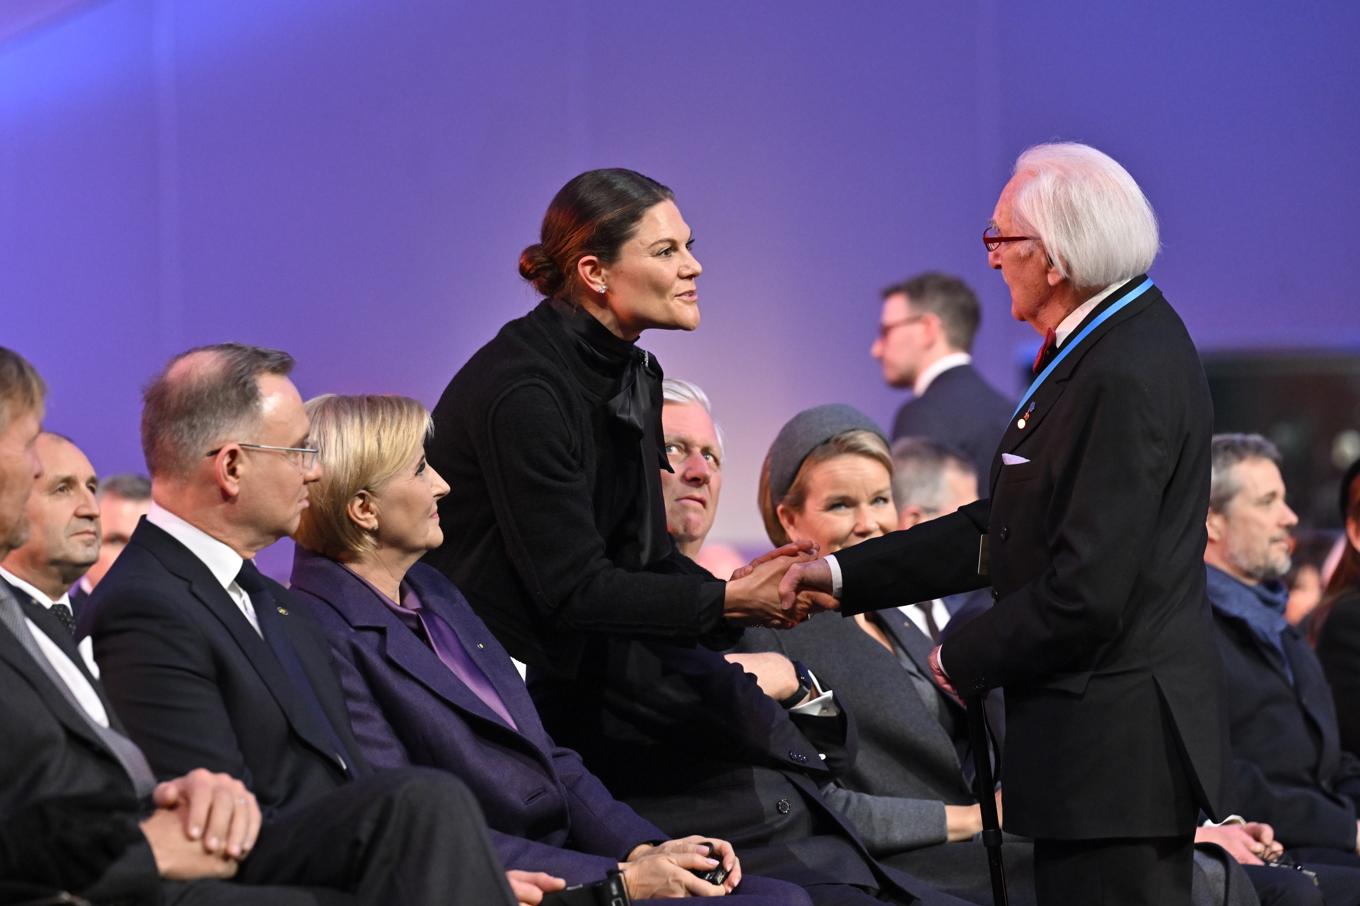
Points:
(125, 750)
(932, 628)
(276, 635)
(444, 640)
(1046, 351)
(64, 616)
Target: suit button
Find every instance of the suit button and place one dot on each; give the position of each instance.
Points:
(783, 807)
(996, 595)
(1004, 533)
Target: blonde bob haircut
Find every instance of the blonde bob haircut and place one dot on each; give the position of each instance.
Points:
(848, 443)
(364, 441)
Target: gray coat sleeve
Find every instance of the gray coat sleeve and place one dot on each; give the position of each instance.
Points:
(889, 824)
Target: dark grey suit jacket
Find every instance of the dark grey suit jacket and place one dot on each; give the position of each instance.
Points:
(908, 764)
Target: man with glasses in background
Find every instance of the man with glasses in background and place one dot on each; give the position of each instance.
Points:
(925, 341)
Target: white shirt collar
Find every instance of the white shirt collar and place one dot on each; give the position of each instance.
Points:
(223, 562)
(1073, 321)
(33, 591)
(938, 367)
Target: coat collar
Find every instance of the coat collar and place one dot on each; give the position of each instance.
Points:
(13, 652)
(358, 605)
(1042, 401)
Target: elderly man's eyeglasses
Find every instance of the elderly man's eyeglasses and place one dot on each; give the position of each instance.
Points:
(992, 238)
(302, 457)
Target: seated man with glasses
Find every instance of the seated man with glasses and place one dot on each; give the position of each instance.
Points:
(208, 663)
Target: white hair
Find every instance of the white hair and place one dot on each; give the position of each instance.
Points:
(1095, 223)
(674, 390)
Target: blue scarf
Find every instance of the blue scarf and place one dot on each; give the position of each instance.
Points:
(1259, 606)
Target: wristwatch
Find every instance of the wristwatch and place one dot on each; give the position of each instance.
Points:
(800, 670)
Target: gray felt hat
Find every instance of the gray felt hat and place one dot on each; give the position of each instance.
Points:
(804, 433)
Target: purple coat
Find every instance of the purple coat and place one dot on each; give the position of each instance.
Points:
(545, 810)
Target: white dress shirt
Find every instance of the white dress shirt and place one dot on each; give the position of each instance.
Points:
(918, 617)
(66, 668)
(223, 562)
(1078, 314)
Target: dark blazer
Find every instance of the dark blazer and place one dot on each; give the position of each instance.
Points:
(1101, 634)
(63, 790)
(690, 742)
(546, 811)
(962, 410)
(555, 527)
(1287, 766)
(1338, 648)
(198, 687)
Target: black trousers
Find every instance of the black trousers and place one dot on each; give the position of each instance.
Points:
(1134, 871)
(414, 837)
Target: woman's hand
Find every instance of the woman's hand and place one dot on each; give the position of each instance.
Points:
(753, 599)
(529, 886)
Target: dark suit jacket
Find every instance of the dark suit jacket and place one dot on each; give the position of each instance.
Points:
(1101, 633)
(1287, 766)
(546, 811)
(1338, 648)
(691, 742)
(962, 410)
(80, 609)
(198, 687)
(555, 527)
(62, 790)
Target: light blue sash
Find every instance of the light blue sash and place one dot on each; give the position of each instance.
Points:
(1076, 341)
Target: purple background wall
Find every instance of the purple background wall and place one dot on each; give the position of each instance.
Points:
(353, 181)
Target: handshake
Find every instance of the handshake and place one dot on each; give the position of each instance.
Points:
(779, 589)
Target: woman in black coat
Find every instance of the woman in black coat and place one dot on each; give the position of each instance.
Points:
(550, 437)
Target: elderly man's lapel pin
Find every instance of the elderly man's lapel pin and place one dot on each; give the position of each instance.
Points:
(1024, 419)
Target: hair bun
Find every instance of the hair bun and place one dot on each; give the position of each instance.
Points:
(540, 270)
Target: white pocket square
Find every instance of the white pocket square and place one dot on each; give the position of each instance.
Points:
(1010, 459)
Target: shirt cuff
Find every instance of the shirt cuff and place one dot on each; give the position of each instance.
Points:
(835, 575)
(821, 704)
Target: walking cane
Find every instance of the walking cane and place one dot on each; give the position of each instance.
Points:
(985, 789)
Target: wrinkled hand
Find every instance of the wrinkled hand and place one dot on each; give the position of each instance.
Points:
(215, 808)
(807, 582)
(1249, 844)
(718, 850)
(774, 673)
(752, 597)
(937, 673)
(179, 858)
(529, 886)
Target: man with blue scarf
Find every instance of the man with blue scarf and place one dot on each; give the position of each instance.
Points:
(1287, 767)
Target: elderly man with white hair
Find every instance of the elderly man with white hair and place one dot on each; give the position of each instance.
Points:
(1091, 542)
